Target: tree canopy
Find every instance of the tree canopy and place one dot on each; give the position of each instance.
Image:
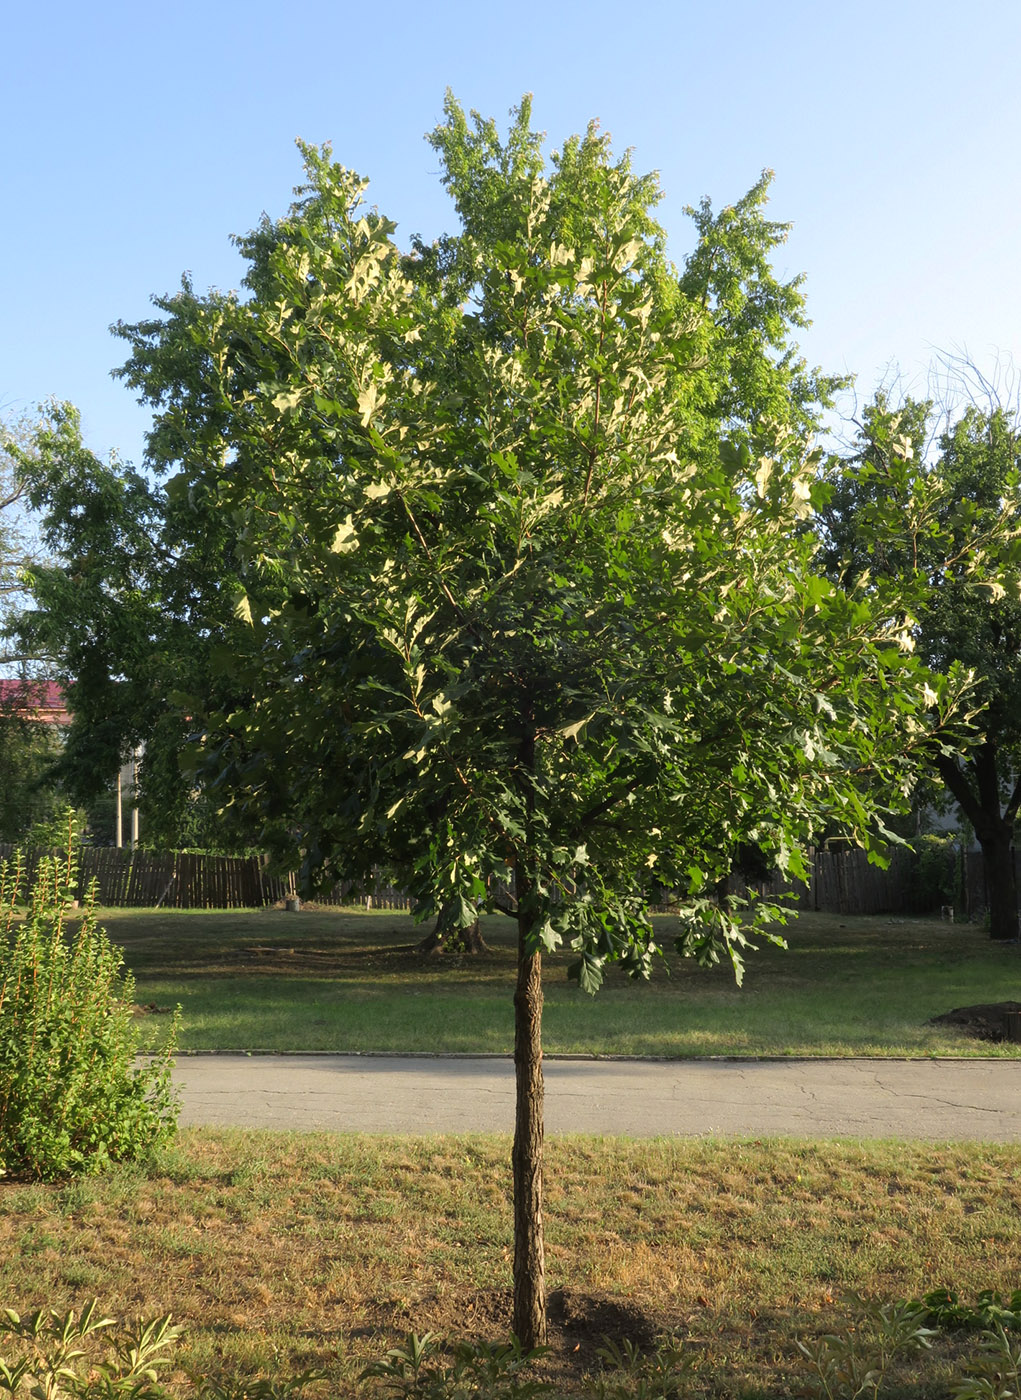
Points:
(505, 570)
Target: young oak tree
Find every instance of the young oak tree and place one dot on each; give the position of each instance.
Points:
(530, 608)
(946, 533)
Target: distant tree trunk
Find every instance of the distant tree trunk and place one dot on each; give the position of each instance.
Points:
(529, 1257)
(1001, 883)
(979, 800)
(462, 940)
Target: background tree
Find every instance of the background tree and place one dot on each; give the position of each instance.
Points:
(515, 553)
(948, 533)
(117, 610)
(19, 542)
(28, 750)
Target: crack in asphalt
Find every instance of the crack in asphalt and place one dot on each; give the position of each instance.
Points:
(936, 1101)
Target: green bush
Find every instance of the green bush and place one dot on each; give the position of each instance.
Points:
(935, 875)
(72, 1098)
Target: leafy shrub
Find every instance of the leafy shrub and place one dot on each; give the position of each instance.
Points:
(935, 874)
(72, 1098)
(944, 1309)
(60, 831)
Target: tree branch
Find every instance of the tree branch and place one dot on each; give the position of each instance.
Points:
(957, 784)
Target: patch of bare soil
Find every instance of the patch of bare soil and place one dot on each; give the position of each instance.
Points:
(986, 1021)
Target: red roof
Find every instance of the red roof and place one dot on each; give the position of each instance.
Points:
(42, 700)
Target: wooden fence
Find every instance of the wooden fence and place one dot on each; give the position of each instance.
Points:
(131, 879)
(134, 879)
(842, 882)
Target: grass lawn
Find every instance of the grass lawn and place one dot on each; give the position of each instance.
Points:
(281, 1250)
(341, 980)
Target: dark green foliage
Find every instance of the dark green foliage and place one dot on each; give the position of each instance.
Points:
(72, 1098)
(116, 607)
(515, 533)
(29, 750)
(936, 874)
(943, 1308)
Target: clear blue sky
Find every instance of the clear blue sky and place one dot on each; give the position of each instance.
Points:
(138, 137)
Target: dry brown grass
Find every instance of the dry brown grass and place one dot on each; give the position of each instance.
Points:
(278, 1249)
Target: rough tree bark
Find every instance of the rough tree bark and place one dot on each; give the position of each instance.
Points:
(529, 1257)
(997, 843)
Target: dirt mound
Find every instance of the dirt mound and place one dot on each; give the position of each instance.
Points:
(587, 1320)
(986, 1021)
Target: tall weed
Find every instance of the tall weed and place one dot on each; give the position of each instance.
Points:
(72, 1098)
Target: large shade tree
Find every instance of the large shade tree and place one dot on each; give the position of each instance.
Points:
(945, 529)
(519, 595)
(121, 609)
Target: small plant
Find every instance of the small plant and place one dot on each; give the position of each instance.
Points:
(420, 1370)
(995, 1372)
(91, 1357)
(72, 1098)
(852, 1364)
(57, 1356)
(251, 1387)
(632, 1374)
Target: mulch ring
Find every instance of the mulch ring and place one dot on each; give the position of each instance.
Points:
(987, 1021)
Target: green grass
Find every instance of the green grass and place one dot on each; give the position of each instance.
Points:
(285, 1250)
(342, 980)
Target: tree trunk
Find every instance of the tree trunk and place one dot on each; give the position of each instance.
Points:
(1001, 884)
(529, 1258)
(979, 800)
(462, 940)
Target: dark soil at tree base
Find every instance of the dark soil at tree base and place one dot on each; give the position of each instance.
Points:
(986, 1021)
(579, 1325)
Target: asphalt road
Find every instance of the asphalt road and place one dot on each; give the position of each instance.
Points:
(934, 1100)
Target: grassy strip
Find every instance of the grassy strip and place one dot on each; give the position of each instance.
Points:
(330, 980)
(278, 1251)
